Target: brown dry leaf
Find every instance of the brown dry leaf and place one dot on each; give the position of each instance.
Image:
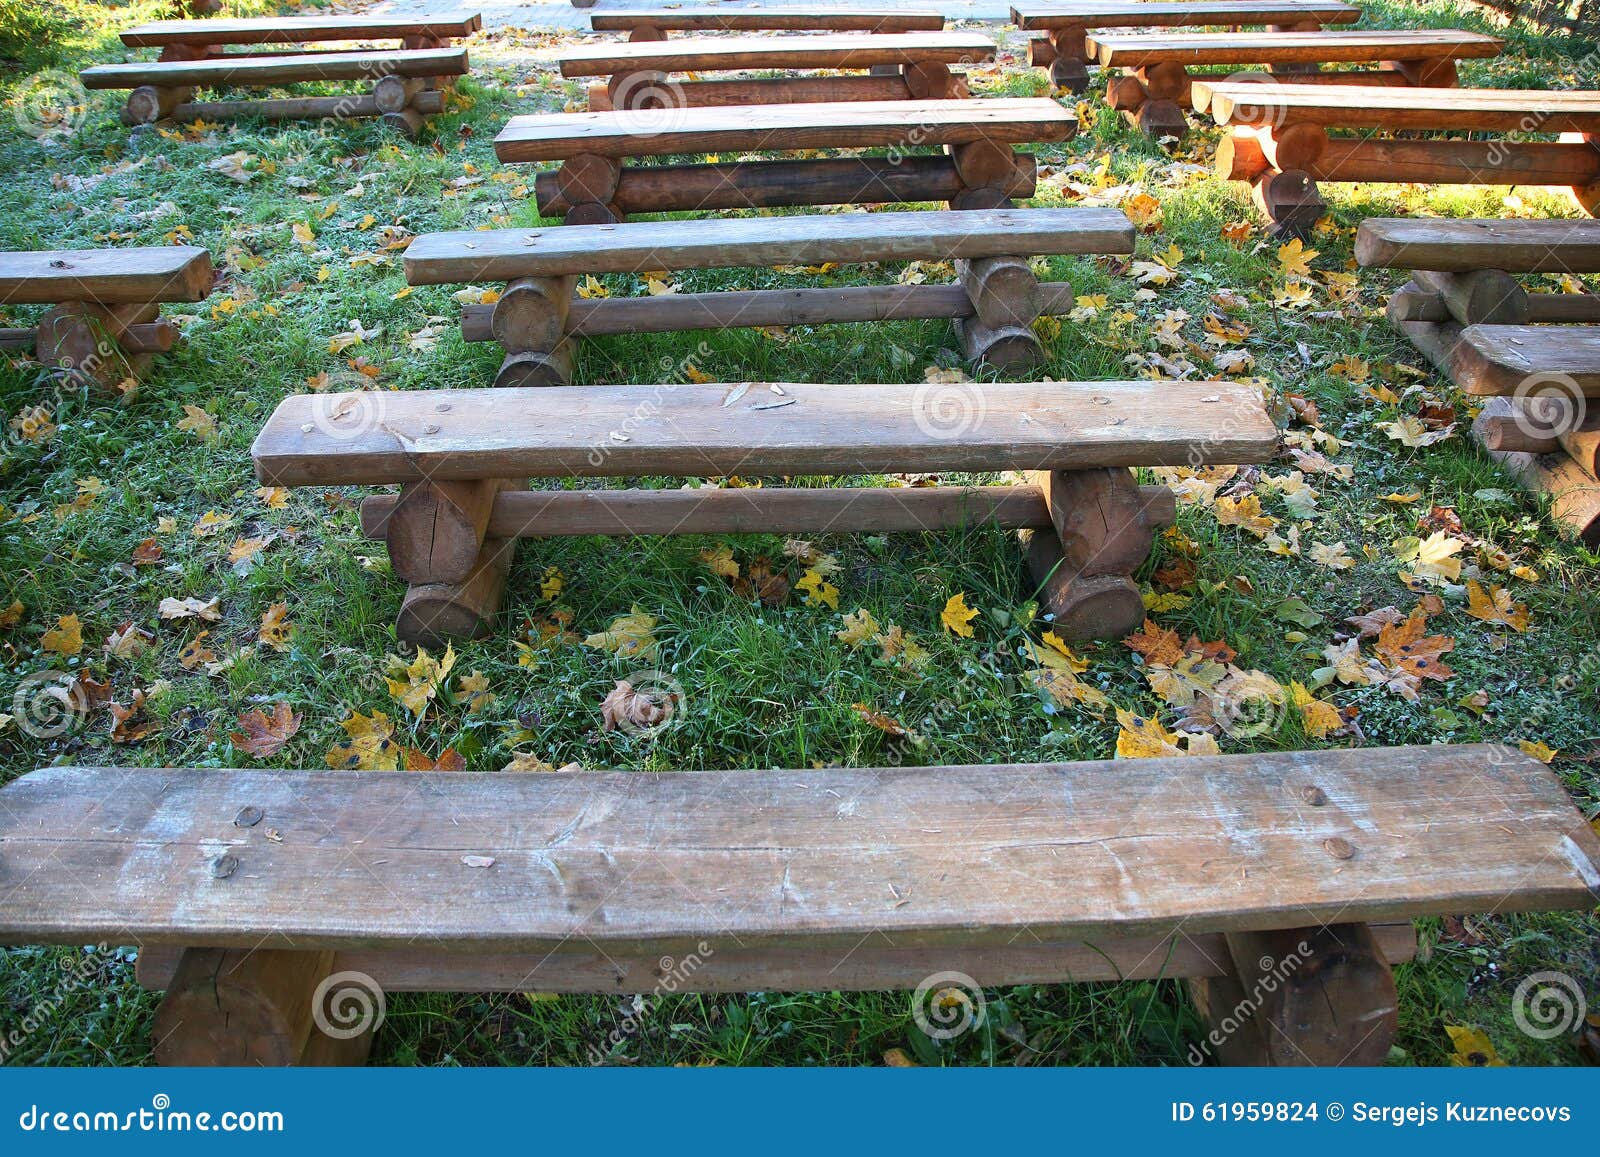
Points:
(899, 1058)
(147, 553)
(130, 724)
(262, 735)
(626, 708)
(1372, 622)
(1495, 606)
(275, 627)
(1159, 645)
(1404, 647)
(885, 723)
(449, 760)
(859, 629)
(195, 652)
(189, 607)
(11, 616)
(760, 581)
(128, 641)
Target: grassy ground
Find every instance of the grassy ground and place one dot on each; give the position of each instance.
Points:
(765, 686)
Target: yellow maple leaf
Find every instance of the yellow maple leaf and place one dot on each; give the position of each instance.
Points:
(1474, 1049)
(859, 629)
(1063, 657)
(202, 424)
(719, 560)
(65, 638)
(631, 635)
(552, 583)
(957, 616)
(371, 746)
(1540, 751)
(815, 589)
(421, 678)
(1495, 606)
(1319, 717)
(1245, 513)
(1294, 259)
(1142, 737)
(211, 522)
(275, 627)
(473, 690)
(590, 287)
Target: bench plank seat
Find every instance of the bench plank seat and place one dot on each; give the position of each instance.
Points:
(1463, 246)
(861, 50)
(1140, 50)
(300, 29)
(106, 276)
(856, 124)
(805, 858)
(1178, 13)
(469, 434)
(788, 18)
(264, 70)
(1367, 107)
(940, 235)
(1498, 359)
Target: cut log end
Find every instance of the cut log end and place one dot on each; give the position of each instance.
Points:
(437, 613)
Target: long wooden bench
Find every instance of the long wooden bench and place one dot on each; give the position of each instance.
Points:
(1064, 47)
(1280, 142)
(1535, 355)
(537, 319)
(593, 186)
(461, 457)
(644, 23)
(1153, 87)
(406, 83)
(904, 66)
(279, 909)
(104, 325)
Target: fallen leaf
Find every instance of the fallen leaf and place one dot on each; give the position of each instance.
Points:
(957, 616)
(371, 746)
(262, 735)
(65, 638)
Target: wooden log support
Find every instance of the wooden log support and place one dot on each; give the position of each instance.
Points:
(242, 1007)
(1319, 996)
(552, 367)
(933, 81)
(1007, 348)
(1069, 58)
(1562, 467)
(434, 613)
(100, 346)
(435, 530)
(531, 315)
(1484, 296)
(777, 90)
(1003, 290)
(148, 104)
(989, 173)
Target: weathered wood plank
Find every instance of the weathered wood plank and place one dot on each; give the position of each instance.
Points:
(1135, 50)
(594, 431)
(106, 276)
(871, 966)
(1462, 246)
(850, 124)
(786, 18)
(860, 50)
(1179, 13)
(257, 70)
(1368, 107)
(300, 29)
(1497, 359)
(722, 242)
(799, 859)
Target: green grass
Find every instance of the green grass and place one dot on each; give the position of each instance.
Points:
(765, 686)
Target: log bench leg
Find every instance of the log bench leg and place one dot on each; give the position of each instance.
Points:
(1069, 69)
(1587, 196)
(1308, 996)
(1166, 95)
(1290, 200)
(1105, 524)
(646, 32)
(986, 170)
(1427, 73)
(434, 613)
(268, 1007)
(101, 346)
(587, 182)
(933, 82)
(1005, 302)
(148, 104)
(394, 96)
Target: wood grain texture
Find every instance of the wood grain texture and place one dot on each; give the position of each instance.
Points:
(776, 128)
(1135, 50)
(300, 29)
(1573, 489)
(258, 70)
(1500, 359)
(106, 276)
(724, 242)
(787, 18)
(797, 859)
(1178, 13)
(1460, 246)
(873, 965)
(1365, 107)
(807, 429)
(859, 50)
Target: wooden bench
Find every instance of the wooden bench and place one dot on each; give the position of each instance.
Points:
(1535, 355)
(654, 23)
(406, 83)
(1064, 47)
(1153, 87)
(104, 325)
(1280, 140)
(537, 319)
(593, 186)
(272, 905)
(455, 451)
(905, 66)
